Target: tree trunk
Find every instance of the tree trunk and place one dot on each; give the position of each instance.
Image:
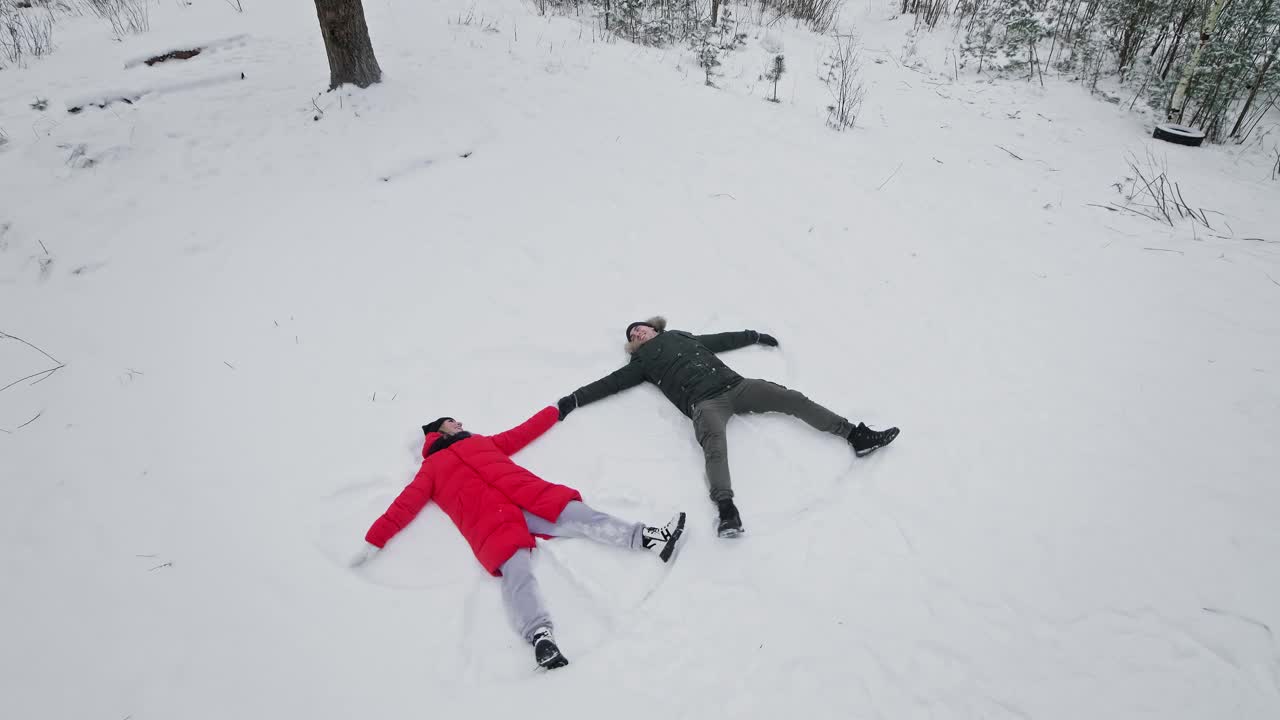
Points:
(715, 12)
(1066, 33)
(346, 41)
(1178, 102)
(1253, 93)
(1177, 43)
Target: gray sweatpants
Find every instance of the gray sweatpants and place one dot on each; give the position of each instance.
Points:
(751, 396)
(520, 594)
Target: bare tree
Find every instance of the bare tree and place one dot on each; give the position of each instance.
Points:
(346, 41)
(844, 80)
(1257, 83)
(1178, 102)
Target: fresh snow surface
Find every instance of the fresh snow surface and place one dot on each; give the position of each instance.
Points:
(255, 310)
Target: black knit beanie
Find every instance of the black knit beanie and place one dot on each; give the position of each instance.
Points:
(434, 425)
(645, 323)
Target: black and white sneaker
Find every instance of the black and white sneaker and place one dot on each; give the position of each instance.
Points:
(545, 650)
(866, 441)
(664, 540)
(730, 521)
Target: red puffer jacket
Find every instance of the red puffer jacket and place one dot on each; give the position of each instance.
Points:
(482, 491)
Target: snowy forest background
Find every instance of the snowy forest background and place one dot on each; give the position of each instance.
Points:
(1221, 53)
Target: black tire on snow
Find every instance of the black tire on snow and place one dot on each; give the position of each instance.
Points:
(1178, 134)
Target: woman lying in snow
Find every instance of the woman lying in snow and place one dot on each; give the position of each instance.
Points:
(499, 507)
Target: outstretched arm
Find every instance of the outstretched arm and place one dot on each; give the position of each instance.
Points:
(617, 381)
(513, 440)
(403, 510)
(721, 342)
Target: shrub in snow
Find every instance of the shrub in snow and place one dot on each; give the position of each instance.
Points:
(25, 31)
(1007, 34)
(654, 22)
(731, 36)
(125, 16)
(708, 54)
(819, 15)
(663, 22)
(1025, 28)
(928, 12)
(844, 79)
(1149, 192)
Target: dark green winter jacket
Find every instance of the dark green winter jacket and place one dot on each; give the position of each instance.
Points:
(682, 365)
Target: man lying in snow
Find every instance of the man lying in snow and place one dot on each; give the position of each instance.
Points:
(686, 369)
(499, 507)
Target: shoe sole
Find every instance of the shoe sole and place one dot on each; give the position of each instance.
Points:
(732, 533)
(670, 549)
(558, 662)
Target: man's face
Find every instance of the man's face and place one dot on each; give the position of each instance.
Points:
(642, 334)
(450, 427)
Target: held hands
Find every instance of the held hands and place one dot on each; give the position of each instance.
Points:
(363, 555)
(766, 339)
(566, 405)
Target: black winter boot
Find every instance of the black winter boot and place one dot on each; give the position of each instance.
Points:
(730, 521)
(866, 441)
(545, 650)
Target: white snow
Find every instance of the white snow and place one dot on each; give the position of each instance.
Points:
(257, 310)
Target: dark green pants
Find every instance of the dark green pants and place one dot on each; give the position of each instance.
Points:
(751, 396)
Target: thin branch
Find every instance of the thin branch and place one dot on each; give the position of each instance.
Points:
(891, 175)
(1273, 280)
(1163, 250)
(1009, 151)
(4, 335)
(165, 565)
(46, 250)
(46, 373)
(46, 377)
(1136, 212)
(37, 417)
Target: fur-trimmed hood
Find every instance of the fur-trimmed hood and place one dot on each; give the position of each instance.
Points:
(657, 322)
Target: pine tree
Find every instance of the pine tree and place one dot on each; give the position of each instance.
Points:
(775, 73)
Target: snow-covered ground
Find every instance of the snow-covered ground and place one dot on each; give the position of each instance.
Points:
(256, 310)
